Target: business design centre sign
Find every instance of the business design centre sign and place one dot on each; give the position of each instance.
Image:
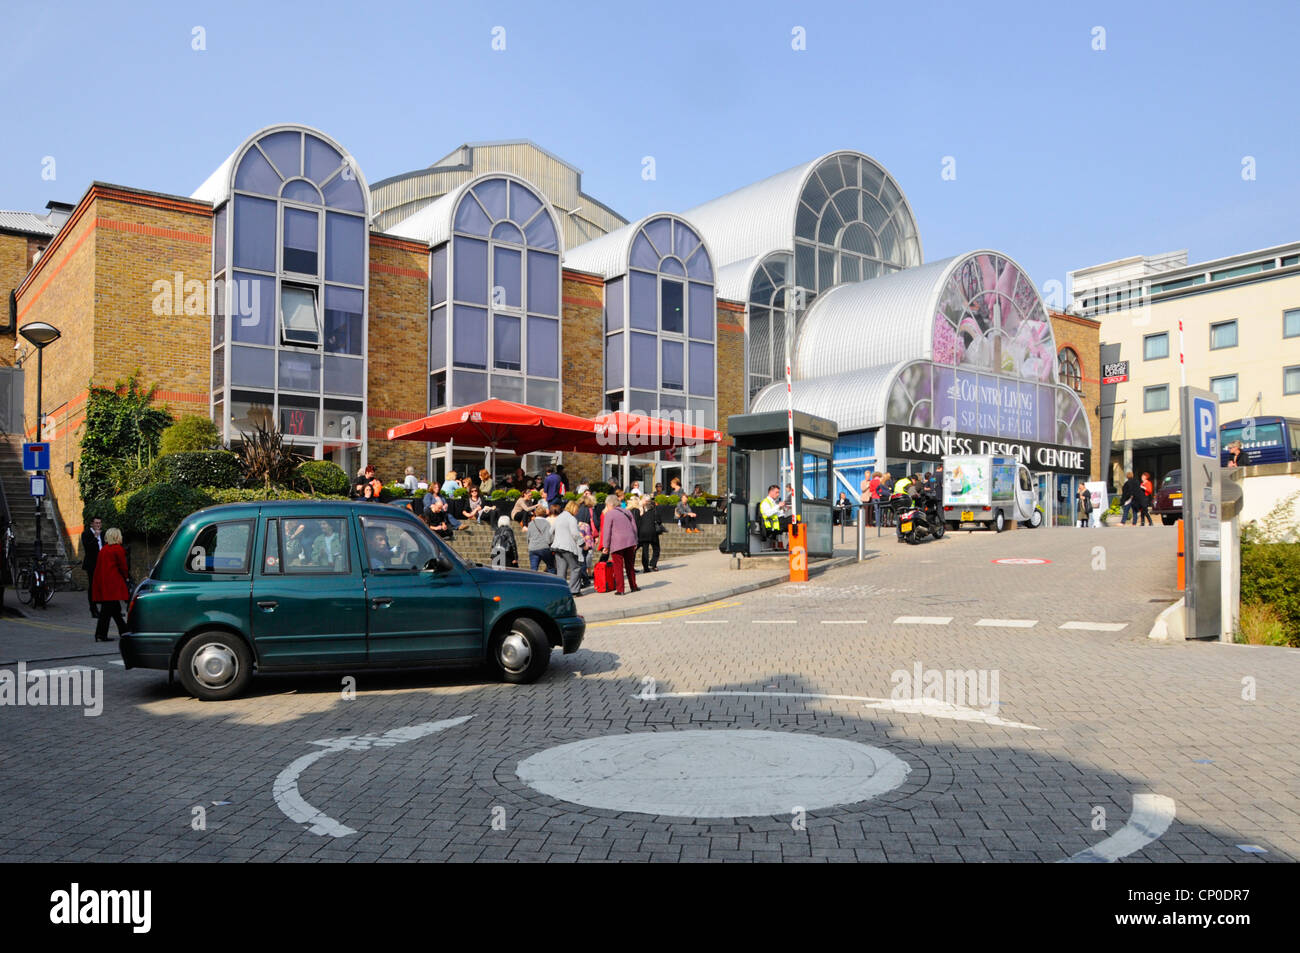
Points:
(918, 443)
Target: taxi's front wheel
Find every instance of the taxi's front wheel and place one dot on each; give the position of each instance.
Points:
(521, 652)
(215, 666)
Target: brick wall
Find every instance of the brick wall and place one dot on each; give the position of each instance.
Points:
(61, 291)
(398, 347)
(1084, 336)
(731, 373)
(16, 253)
(582, 362)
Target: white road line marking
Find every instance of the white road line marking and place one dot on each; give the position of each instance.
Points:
(908, 706)
(1009, 623)
(923, 620)
(1152, 815)
(1095, 626)
(846, 622)
(118, 662)
(290, 801)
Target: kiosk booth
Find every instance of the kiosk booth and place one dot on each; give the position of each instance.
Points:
(759, 458)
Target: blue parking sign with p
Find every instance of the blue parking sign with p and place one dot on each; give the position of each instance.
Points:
(1205, 427)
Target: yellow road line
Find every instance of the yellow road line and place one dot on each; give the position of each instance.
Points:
(51, 626)
(676, 614)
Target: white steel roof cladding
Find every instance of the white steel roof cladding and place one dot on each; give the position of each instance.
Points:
(885, 319)
(733, 281)
(855, 400)
(867, 323)
(608, 255)
(760, 218)
(432, 224)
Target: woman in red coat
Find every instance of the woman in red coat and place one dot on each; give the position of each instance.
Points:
(109, 587)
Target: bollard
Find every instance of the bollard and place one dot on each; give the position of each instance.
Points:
(862, 533)
(798, 552)
(1182, 558)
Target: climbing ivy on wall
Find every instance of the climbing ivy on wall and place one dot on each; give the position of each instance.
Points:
(120, 436)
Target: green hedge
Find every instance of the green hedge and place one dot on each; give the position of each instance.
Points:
(1270, 575)
(193, 432)
(323, 476)
(157, 510)
(218, 468)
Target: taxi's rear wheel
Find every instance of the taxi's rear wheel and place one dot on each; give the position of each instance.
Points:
(215, 666)
(521, 652)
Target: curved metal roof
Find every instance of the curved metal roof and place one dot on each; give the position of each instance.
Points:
(608, 255)
(867, 323)
(855, 400)
(432, 224)
(759, 218)
(734, 280)
(878, 321)
(217, 187)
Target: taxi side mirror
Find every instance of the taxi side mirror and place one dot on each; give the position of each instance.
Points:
(438, 564)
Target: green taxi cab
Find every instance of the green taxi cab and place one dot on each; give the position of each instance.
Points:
(334, 586)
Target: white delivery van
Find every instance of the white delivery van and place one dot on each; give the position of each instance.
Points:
(990, 490)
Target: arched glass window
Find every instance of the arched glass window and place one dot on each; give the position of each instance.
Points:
(494, 290)
(765, 341)
(852, 224)
(1068, 369)
(290, 259)
(661, 324)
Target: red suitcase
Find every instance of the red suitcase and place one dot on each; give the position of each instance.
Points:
(604, 576)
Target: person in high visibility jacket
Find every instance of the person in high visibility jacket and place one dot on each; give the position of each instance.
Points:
(770, 510)
(903, 484)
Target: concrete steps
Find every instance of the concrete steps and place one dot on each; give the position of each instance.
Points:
(17, 491)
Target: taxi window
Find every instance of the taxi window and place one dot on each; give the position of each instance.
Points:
(394, 545)
(222, 548)
(316, 545)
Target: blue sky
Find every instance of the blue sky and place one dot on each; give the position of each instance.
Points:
(1065, 156)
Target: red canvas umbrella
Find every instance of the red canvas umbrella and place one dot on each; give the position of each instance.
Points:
(620, 432)
(500, 424)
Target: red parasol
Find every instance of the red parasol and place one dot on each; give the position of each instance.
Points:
(502, 425)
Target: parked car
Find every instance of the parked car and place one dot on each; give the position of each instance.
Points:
(334, 586)
(1168, 504)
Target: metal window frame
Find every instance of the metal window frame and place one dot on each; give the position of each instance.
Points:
(1223, 324)
(222, 395)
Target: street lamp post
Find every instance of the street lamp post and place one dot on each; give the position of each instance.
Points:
(39, 335)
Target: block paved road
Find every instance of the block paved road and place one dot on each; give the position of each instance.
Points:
(1086, 719)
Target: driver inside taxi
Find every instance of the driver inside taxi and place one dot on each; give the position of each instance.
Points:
(381, 554)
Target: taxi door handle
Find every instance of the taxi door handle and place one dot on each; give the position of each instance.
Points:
(381, 603)
(267, 605)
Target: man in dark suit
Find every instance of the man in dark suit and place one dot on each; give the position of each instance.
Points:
(92, 540)
(1128, 499)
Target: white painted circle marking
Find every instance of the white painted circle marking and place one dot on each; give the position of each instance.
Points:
(1018, 561)
(722, 773)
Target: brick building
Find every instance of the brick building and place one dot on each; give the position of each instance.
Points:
(287, 291)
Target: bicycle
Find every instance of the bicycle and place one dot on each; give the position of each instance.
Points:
(34, 585)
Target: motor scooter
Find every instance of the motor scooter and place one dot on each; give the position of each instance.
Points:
(918, 518)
